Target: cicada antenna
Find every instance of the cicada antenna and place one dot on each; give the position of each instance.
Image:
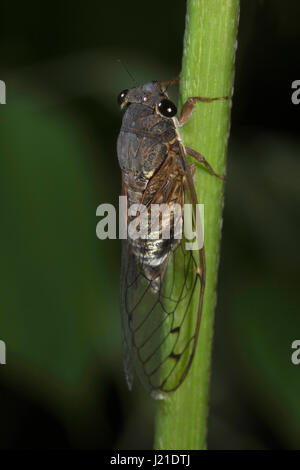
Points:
(127, 70)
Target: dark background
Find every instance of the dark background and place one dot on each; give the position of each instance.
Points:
(63, 384)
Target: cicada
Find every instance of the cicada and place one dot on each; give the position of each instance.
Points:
(161, 281)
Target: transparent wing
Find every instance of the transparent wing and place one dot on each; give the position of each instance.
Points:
(161, 326)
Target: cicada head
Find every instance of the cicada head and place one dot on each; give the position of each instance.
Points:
(152, 95)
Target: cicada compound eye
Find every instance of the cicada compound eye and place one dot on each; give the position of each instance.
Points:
(121, 97)
(167, 108)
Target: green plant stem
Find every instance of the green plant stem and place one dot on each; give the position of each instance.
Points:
(208, 66)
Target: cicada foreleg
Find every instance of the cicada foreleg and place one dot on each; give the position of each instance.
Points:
(166, 83)
(189, 107)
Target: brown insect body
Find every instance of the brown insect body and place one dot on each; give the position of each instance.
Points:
(159, 337)
(148, 151)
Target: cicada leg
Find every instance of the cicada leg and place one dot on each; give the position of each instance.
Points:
(186, 113)
(189, 107)
(201, 159)
(166, 83)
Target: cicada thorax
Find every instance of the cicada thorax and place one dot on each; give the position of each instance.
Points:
(149, 157)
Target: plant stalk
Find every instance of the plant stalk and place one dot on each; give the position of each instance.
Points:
(207, 71)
